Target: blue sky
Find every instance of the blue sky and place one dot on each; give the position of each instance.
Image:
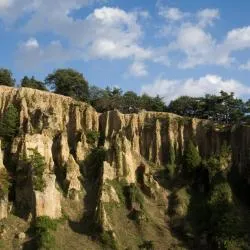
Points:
(164, 47)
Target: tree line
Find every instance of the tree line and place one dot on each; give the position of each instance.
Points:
(222, 108)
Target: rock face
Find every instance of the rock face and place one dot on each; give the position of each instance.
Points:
(58, 127)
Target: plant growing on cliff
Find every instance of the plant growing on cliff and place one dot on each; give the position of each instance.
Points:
(4, 182)
(9, 123)
(92, 136)
(43, 229)
(37, 164)
(192, 159)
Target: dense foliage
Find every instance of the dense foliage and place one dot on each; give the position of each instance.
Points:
(223, 108)
(68, 82)
(32, 83)
(6, 78)
(9, 123)
(44, 228)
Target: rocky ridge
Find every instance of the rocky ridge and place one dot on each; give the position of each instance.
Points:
(58, 127)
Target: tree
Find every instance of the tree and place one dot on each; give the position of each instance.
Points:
(9, 123)
(152, 103)
(6, 78)
(192, 159)
(32, 83)
(68, 82)
(184, 105)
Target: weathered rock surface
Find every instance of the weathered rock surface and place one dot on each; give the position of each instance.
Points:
(58, 126)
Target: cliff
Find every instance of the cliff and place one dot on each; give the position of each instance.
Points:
(63, 131)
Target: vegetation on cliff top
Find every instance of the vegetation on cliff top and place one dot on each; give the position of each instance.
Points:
(223, 108)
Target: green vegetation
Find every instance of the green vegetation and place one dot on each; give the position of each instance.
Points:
(92, 136)
(68, 82)
(205, 212)
(6, 78)
(192, 159)
(108, 241)
(133, 194)
(35, 163)
(32, 83)
(4, 183)
(224, 108)
(119, 186)
(43, 229)
(9, 123)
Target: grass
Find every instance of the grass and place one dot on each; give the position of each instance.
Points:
(43, 229)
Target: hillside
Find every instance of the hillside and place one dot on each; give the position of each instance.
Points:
(116, 181)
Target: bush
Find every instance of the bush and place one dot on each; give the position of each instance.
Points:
(133, 194)
(107, 239)
(147, 245)
(192, 159)
(92, 136)
(181, 201)
(43, 229)
(171, 168)
(36, 164)
(10, 123)
(4, 182)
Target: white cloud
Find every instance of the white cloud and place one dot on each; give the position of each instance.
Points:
(138, 69)
(209, 84)
(172, 14)
(208, 16)
(109, 33)
(32, 43)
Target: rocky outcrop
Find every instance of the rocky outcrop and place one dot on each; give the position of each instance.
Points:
(58, 127)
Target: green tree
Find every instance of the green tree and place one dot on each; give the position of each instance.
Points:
(184, 105)
(152, 103)
(68, 82)
(6, 78)
(192, 159)
(9, 123)
(32, 83)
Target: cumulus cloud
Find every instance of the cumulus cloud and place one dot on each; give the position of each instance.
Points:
(138, 69)
(107, 33)
(32, 43)
(172, 14)
(207, 17)
(209, 84)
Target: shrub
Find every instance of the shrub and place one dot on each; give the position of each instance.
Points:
(92, 136)
(107, 239)
(221, 194)
(171, 168)
(213, 165)
(181, 201)
(147, 245)
(133, 194)
(192, 159)
(4, 182)
(9, 123)
(38, 165)
(43, 229)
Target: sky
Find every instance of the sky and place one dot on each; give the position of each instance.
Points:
(163, 47)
